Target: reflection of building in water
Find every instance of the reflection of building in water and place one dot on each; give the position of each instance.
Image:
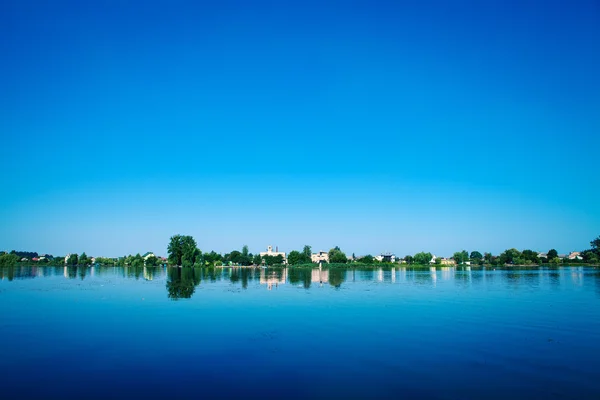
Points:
(320, 275)
(447, 273)
(380, 275)
(148, 275)
(433, 274)
(271, 278)
(393, 275)
(66, 272)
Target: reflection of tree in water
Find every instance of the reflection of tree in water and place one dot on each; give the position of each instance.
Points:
(336, 277)
(182, 282)
(300, 275)
(245, 273)
(71, 272)
(82, 272)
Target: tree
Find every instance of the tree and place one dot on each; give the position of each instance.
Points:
(510, 256)
(73, 260)
(595, 244)
(552, 254)
(151, 261)
(307, 252)
(257, 259)
(459, 257)
(137, 261)
(337, 256)
(84, 260)
(476, 256)
(408, 259)
(175, 250)
(295, 257)
(183, 251)
(8, 260)
(422, 258)
(530, 257)
(368, 259)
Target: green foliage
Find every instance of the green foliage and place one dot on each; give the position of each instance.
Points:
(84, 260)
(273, 260)
(297, 258)
(529, 257)
(151, 261)
(307, 252)
(409, 259)
(461, 257)
(73, 260)
(368, 259)
(257, 259)
(337, 256)
(8, 260)
(555, 260)
(552, 254)
(422, 258)
(137, 261)
(595, 244)
(438, 261)
(182, 251)
(510, 256)
(294, 257)
(476, 256)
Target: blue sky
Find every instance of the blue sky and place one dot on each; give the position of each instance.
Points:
(374, 126)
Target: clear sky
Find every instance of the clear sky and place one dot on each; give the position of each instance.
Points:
(376, 126)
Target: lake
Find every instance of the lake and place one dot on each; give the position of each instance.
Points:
(445, 333)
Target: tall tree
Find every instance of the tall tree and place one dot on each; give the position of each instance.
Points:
(552, 254)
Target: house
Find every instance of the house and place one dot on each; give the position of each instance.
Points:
(148, 255)
(321, 256)
(387, 257)
(272, 253)
(542, 255)
(575, 255)
(448, 261)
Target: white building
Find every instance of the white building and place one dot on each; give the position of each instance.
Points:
(272, 253)
(321, 256)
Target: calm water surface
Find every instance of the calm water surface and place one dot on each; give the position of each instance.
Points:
(446, 333)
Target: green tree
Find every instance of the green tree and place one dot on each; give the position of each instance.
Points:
(257, 259)
(137, 261)
(295, 257)
(368, 259)
(595, 244)
(151, 261)
(408, 259)
(73, 260)
(8, 260)
(459, 257)
(529, 257)
(175, 249)
(476, 256)
(307, 252)
(84, 260)
(422, 258)
(337, 256)
(510, 256)
(552, 254)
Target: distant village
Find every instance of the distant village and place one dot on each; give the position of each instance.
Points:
(272, 256)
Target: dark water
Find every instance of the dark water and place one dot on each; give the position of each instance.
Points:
(121, 333)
